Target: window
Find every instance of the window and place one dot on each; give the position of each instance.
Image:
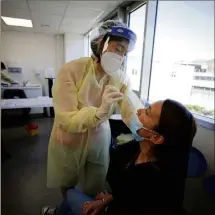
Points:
(183, 56)
(134, 58)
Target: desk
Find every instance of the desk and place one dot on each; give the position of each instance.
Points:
(17, 87)
(38, 102)
(30, 91)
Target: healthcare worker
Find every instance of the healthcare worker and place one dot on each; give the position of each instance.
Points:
(85, 94)
(5, 79)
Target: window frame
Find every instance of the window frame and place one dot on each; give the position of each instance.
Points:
(150, 28)
(147, 57)
(130, 9)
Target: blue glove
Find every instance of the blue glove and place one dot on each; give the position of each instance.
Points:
(135, 125)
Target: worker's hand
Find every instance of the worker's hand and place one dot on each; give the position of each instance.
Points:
(110, 96)
(93, 208)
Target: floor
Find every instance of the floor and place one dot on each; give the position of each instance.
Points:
(24, 189)
(196, 200)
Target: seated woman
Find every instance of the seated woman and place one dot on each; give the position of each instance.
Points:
(145, 177)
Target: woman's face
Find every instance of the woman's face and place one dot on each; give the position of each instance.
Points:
(118, 47)
(150, 116)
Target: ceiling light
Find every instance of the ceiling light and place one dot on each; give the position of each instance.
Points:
(17, 22)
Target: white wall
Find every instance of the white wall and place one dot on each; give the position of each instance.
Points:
(73, 46)
(59, 52)
(34, 53)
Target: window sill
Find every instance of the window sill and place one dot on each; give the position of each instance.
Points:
(205, 122)
(202, 121)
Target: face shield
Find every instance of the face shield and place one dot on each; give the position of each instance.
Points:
(108, 29)
(112, 54)
(125, 33)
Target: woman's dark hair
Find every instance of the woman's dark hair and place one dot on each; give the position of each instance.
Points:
(176, 123)
(177, 126)
(3, 66)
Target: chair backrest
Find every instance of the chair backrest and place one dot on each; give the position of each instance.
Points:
(197, 164)
(118, 127)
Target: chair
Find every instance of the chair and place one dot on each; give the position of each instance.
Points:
(197, 164)
(118, 127)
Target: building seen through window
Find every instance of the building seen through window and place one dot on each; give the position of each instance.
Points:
(183, 59)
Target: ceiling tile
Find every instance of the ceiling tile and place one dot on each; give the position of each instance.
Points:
(49, 7)
(102, 5)
(79, 17)
(15, 4)
(16, 13)
(76, 26)
(52, 21)
(45, 30)
(75, 12)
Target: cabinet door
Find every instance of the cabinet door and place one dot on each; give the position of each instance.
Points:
(34, 93)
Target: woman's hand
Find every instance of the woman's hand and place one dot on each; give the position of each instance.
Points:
(93, 208)
(100, 196)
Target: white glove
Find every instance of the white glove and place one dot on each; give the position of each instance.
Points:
(110, 96)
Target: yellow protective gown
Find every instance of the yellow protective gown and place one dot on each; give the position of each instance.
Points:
(78, 150)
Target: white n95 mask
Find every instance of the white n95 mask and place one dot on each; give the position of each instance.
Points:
(111, 62)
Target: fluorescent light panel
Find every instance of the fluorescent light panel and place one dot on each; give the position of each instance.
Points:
(17, 22)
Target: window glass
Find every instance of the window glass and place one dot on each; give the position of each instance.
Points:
(183, 57)
(134, 58)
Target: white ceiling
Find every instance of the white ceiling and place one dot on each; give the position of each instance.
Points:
(57, 16)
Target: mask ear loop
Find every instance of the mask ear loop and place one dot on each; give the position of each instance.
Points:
(105, 45)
